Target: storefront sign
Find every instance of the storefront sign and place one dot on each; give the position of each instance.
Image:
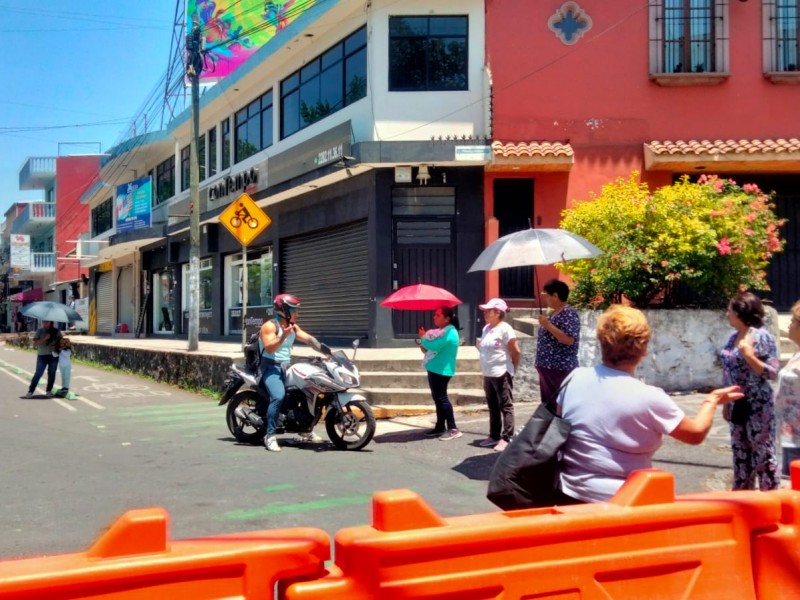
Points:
(233, 183)
(133, 202)
(20, 251)
(478, 153)
(256, 315)
(321, 150)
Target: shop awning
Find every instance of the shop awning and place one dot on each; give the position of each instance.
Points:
(531, 156)
(729, 156)
(28, 296)
(115, 251)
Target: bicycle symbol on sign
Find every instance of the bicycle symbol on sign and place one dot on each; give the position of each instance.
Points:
(102, 388)
(243, 215)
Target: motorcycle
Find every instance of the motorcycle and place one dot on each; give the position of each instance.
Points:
(314, 386)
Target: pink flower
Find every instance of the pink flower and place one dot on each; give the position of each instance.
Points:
(750, 188)
(716, 213)
(724, 246)
(751, 217)
(664, 263)
(748, 232)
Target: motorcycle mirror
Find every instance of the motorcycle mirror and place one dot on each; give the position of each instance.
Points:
(356, 343)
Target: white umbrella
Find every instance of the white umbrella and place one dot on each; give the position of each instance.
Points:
(534, 247)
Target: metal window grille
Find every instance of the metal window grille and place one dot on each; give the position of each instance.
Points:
(783, 33)
(688, 36)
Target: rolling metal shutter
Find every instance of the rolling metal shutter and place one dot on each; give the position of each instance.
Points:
(329, 272)
(105, 303)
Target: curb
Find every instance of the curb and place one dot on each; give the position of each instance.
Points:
(388, 411)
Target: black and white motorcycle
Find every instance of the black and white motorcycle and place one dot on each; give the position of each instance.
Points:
(315, 386)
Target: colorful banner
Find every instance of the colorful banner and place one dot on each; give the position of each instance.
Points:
(20, 251)
(132, 204)
(235, 29)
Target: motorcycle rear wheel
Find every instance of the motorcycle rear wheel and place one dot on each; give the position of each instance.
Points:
(244, 431)
(352, 430)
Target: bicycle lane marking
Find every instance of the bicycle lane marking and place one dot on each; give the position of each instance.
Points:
(8, 367)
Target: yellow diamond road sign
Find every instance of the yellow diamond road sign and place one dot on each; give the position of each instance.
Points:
(244, 219)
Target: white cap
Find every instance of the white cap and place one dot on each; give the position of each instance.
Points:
(495, 303)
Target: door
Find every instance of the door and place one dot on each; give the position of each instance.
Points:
(125, 308)
(423, 224)
(513, 208)
(105, 303)
(784, 266)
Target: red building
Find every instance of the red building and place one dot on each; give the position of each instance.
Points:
(74, 175)
(587, 92)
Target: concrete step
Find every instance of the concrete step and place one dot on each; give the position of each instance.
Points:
(417, 379)
(525, 325)
(404, 365)
(420, 397)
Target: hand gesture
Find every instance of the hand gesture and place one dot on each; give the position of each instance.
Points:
(726, 394)
(745, 346)
(421, 331)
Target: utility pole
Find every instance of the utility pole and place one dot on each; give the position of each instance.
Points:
(194, 66)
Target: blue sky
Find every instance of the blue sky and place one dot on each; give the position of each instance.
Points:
(75, 76)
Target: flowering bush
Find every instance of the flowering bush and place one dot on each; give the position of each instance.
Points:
(684, 244)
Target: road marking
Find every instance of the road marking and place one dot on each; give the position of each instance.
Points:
(59, 401)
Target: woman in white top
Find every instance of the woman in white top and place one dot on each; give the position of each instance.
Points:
(499, 354)
(618, 421)
(787, 402)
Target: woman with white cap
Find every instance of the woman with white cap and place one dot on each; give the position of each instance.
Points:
(499, 356)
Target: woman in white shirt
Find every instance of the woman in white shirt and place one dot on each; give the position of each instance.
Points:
(617, 420)
(499, 355)
(787, 402)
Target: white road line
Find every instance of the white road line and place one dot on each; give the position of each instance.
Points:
(90, 403)
(58, 401)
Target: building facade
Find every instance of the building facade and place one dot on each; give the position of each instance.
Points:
(366, 148)
(586, 92)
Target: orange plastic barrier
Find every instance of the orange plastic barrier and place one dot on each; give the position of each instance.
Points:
(135, 560)
(642, 544)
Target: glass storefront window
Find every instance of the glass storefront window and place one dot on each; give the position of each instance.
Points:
(259, 289)
(163, 302)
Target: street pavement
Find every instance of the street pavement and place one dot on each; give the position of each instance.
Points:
(71, 467)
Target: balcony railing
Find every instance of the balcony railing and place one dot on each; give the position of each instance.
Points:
(36, 218)
(37, 173)
(43, 262)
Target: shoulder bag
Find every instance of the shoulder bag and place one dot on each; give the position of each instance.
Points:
(527, 473)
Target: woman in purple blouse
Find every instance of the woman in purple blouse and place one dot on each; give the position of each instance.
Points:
(750, 360)
(556, 342)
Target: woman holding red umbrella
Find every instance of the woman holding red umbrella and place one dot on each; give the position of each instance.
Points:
(441, 347)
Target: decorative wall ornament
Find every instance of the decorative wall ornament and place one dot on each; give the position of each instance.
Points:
(569, 23)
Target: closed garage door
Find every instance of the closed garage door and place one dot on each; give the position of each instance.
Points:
(105, 305)
(329, 272)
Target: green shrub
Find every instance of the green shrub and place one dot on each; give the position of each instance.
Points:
(684, 244)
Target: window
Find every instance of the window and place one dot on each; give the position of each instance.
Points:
(325, 85)
(102, 216)
(165, 180)
(212, 151)
(186, 158)
(201, 152)
(782, 29)
(206, 273)
(253, 127)
(428, 54)
(688, 36)
(225, 126)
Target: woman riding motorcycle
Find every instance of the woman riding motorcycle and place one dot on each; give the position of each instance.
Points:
(277, 337)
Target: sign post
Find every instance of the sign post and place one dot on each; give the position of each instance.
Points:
(246, 221)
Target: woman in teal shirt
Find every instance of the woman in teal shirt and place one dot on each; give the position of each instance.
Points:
(441, 346)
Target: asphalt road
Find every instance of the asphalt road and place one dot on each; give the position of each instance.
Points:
(71, 467)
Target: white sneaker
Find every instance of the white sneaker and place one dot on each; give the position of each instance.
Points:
(271, 442)
(501, 445)
(310, 438)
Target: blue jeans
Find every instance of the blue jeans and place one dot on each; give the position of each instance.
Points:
(274, 382)
(44, 361)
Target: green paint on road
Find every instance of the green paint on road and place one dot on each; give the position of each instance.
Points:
(278, 487)
(282, 508)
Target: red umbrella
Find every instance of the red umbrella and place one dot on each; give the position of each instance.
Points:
(420, 297)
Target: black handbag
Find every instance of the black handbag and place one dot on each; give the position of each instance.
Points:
(527, 473)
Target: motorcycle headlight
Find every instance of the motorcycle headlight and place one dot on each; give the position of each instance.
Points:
(349, 380)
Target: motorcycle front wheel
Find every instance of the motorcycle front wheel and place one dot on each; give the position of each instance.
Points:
(353, 428)
(244, 431)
